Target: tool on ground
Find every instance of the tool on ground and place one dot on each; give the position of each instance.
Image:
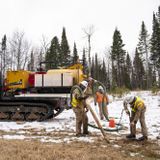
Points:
(88, 102)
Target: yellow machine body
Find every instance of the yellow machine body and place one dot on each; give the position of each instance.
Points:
(17, 79)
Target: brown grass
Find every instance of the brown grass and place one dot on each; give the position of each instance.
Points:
(34, 150)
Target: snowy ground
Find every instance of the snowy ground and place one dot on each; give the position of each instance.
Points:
(48, 131)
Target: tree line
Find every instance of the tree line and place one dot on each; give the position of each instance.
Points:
(116, 69)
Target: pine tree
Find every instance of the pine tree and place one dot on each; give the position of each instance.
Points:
(96, 67)
(3, 56)
(155, 46)
(158, 14)
(104, 75)
(139, 71)
(143, 49)
(31, 62)
(52, 55)
(75, 54)
(84, 63)
(65, 58)
(93, 68)
(127, 72)
(118, 58)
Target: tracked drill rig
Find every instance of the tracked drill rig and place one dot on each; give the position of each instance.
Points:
(41, 95)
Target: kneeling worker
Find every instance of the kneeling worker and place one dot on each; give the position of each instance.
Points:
(138, 109)
(79, 108)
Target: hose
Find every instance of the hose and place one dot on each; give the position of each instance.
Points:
(95, 88)
(117, 128)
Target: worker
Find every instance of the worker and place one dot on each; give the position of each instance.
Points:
(79, 108)
(102, 100)
(138, 109)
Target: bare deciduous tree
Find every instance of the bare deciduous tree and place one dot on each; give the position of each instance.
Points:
(89, 32)
(19, 49)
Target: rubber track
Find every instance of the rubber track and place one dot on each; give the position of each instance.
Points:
(26, 104)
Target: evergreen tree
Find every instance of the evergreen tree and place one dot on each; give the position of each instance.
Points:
(143, 49)
(31, 62)
(155, 46)
(52, 55)
(84, 63)
(75, 54)
(158, 14)
(104, 75)
(118, 59)
(65, 58)
(96, 67)
(128, 71)
(3, 56)
(93, 68)
(139, 71)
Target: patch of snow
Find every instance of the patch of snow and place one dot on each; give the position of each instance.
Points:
(21, 137)
(116, 146)
(66, 120)
(133, 154)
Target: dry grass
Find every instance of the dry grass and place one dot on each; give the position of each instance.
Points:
(34, 150)
(118, 149)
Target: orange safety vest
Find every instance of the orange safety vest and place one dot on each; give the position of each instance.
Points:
(100, 96)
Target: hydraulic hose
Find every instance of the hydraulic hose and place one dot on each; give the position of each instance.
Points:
(95, 89)
(117, 128)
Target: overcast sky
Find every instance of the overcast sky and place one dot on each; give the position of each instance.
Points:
(47, 17)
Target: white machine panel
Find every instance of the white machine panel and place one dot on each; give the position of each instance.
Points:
(38, 80)
(67, 79)
(51, 80)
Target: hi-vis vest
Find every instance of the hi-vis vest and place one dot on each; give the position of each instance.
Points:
(138, 103)
(76, 94)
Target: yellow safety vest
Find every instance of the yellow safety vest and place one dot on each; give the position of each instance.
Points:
(138, 103)
(75, 102)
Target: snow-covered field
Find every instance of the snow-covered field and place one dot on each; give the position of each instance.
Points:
(65, 123)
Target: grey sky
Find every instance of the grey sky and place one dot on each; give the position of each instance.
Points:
(47, 17)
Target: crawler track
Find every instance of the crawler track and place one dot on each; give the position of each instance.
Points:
(28, 111)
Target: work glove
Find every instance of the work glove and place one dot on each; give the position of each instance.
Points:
(86, 109)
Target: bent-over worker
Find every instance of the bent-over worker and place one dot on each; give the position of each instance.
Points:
(138, 110)
(102, 100)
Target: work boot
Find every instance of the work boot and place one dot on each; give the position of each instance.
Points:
(79, 134)
(130, 136)
(158, 137)
(86, 133)
(143, 138)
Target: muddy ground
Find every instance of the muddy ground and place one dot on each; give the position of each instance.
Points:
(118, 149)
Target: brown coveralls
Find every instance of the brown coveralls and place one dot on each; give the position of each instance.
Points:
(80, 113)
(138, 110)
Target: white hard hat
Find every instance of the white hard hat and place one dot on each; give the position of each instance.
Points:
(84, 84)
(129, 99)
(100, 88)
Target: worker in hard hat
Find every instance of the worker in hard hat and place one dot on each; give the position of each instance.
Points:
(102, 100)
(138, 110)
(79, 108)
